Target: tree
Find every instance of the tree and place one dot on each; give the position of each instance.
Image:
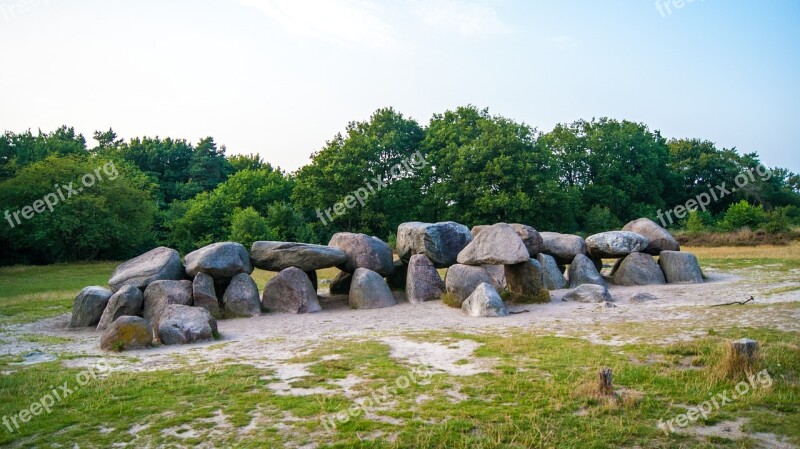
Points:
(743, 215)
(241, 162)
(248, 226)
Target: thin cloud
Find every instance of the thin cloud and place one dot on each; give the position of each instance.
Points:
(344, 22)
(468, 18)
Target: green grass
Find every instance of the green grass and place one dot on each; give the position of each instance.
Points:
(28, 293)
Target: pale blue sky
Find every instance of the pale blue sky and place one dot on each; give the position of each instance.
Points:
(280, 77)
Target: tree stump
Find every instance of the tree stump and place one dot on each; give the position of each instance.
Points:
(606, 386)
(746, 349)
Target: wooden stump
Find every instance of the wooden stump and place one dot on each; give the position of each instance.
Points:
(606, 386)
(745, 349)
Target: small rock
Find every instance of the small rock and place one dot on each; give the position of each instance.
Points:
(589, 293)
(642, 297)
(462, 280)
(484, 302)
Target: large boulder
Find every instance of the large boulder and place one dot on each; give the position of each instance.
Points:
(364, 251)
(660, 238)
(526, 282)
(461, 280)
(290, 291)
(439, 242)
(155, 265)
(340, 284)
(530, 238)
(88, 307)
(127, 332)
(241, 296)
(680, 267)
(128, 300)
(159, 294)
(181, 324)
(484, 302)
(638, 269)
(205, 294)
(278, 256)
(588, 293)
(552, 275)
(221, 260)
(583, 271)
(368, 290)
(498, 244)
(615, 244)
(563, 247)
(423, 282)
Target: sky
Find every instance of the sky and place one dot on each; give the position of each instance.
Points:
(281, 77)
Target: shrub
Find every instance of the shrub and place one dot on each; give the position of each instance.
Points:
(743, 215)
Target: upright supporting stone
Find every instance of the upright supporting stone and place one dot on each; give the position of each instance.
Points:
(525, 282)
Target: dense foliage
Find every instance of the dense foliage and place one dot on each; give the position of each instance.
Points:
(465, 165)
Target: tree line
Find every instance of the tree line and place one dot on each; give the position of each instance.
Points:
(581, 177)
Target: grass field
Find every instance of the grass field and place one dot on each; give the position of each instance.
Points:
(540, 390)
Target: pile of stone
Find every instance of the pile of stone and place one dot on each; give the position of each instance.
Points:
(156, 297)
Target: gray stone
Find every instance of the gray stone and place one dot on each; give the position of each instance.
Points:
(368, 290)
(615, 244)
(680, 267)
(205, 294)
(563, 247)
(498, 244)
(588, 293)
(88, 307)
(498, 273)
(128, 300)
(582, 271)
(462, 280)
(526, 282)
(340, 284)
(159, 294)
(399, 276)
(439, 242)
(484, 302)
(127, 332)
(553, 277)
(278, 256)
(181, 324)
(660, 238)
(423, 282)
(290, 291)
(639, 269)
(221, 260)
(530, 238)
(160, 264)
(642, 297)
(241, 296)
(364, 251)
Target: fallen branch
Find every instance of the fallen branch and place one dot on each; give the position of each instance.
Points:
(521, 311)
(741, 303)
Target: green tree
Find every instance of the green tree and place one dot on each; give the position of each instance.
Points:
(743, 215)
(248, 226)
